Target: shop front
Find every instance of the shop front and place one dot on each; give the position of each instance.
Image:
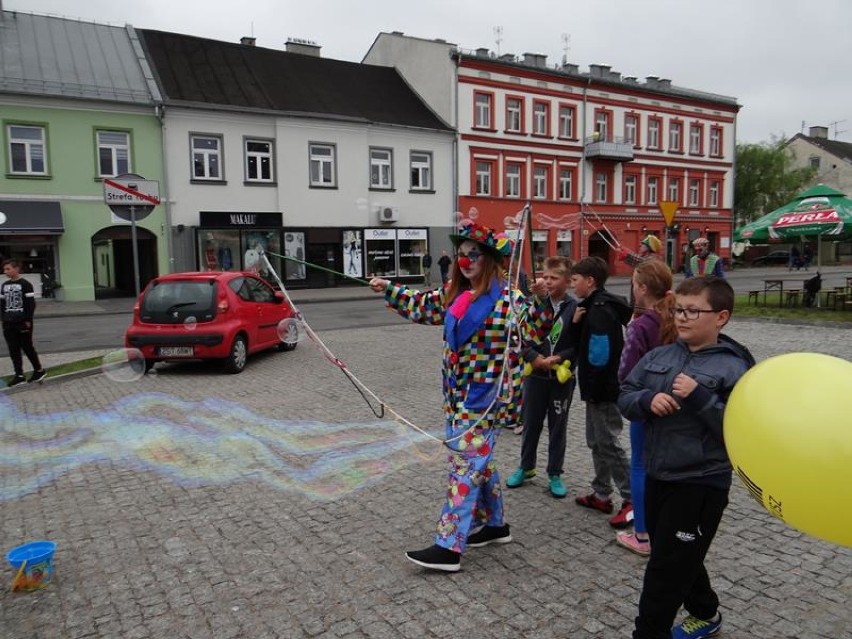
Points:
(233, 241)
(29, 232)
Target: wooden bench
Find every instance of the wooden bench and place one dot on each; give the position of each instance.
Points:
(754, 295)
(791, 296)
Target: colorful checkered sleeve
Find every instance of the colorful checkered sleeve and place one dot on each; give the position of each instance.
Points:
(534, 316)
(421, 307)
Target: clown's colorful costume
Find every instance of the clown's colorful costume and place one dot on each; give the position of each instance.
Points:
(475, 337)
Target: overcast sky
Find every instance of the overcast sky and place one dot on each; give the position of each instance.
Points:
(786, 61)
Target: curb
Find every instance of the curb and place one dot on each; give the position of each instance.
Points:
(66, 377)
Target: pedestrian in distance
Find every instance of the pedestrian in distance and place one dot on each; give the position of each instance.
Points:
(444, 265)
(18, 307)
(679, 391)
(652, 326)
(597, 333)
(426, 262)
(705, 261)
(547, 390)
(649, 248)
(481, 369)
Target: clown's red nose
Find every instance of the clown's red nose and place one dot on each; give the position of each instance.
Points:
(464, 262)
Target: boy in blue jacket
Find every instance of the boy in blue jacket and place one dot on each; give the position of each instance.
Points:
(597, 334)
(680, 391)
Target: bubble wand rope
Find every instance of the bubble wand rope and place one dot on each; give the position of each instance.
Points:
(612, 241)
(362, 388)
(365, 390)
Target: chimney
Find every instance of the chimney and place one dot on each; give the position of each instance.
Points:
(508, 57)
(599, 70)
(615, 76)
(664, 84)
(629, 79)
(246, 40)
(573, 69)
(302, 47)
(535, 60)
(652, 81)
(818, 132)
(482, 52)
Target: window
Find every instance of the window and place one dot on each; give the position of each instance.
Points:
(631, 129)
(602, 121)
(654, 126)
(482, 111)
(814, 162)
(259, 161)
(381, 168)
(322, 161)
(566, 184)
(674, 189)
(514, 115)
(566, 121)
(601, 187)
(113, 153)
(27, 150)
(696, 135)
(716, 141)
(630, 189)
(541, 118)
(675, 138)
(206, 157)
(421, 171)
(541, 177)
(714, 193)
(513, 179)
(694, 190)
(483, 178)
(652, 190)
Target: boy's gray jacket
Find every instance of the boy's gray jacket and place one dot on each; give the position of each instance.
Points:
(689, 443)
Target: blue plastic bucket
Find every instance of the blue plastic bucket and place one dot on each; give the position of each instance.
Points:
(36, 557)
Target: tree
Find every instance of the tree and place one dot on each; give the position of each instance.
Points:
(765, 179)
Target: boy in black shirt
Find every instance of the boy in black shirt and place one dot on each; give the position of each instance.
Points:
(18, 305)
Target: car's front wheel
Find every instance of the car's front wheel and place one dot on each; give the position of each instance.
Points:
(237, 357)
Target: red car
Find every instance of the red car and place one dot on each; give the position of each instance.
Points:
(209, 315)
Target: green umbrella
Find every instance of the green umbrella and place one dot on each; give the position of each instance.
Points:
(818, 211)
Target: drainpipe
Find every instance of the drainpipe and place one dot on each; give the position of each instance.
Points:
(160, 112)
(455, 159)
(583, 169)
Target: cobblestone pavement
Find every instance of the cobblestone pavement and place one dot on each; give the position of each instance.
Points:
(274, 504)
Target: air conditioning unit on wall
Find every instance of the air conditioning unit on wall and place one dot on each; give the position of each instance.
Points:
(388, 215)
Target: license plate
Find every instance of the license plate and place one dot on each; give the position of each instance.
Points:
(176, 351)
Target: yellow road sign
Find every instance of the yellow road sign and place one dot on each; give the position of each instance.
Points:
(669, 210)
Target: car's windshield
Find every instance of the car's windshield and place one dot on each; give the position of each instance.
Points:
(177, 301)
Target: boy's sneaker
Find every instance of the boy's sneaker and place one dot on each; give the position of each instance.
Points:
(436, 558)
(556, 487)
(630, 541)
(519, 477)
(37, 376)
(17, 379)
(695, 628)
(490, 535)
(595, 502)
(624, 517)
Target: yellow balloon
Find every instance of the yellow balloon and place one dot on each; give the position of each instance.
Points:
(563, 371)
(527, 369)
(789, 438)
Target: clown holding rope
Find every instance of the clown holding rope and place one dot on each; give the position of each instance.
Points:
(484, 321)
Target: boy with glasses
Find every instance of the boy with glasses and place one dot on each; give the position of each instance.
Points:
(680, 391)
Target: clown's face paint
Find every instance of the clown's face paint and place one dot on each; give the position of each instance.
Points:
(471, 261)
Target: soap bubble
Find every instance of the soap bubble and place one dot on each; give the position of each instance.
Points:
(290, 331)
(190, 323)
(124, 365)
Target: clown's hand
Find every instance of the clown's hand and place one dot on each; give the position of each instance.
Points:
(538, 288)
(379, 285)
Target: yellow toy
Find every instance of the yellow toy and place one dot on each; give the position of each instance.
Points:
(563, 370)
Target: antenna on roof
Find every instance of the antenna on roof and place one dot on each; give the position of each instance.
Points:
(498, 37)
(836, 131)
(566, 47)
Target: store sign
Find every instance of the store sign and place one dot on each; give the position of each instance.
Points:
(239, 219)
(563, 236)
(379, 234)
(411, 234)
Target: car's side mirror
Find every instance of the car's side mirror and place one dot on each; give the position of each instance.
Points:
(279, 297)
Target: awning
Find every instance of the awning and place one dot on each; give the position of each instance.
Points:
(31, 217)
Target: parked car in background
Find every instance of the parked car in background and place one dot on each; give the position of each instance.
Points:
(209, 315)
(772, 258)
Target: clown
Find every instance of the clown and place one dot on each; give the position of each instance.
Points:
(481, 376)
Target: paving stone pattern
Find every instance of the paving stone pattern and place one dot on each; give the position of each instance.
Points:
(152, 543)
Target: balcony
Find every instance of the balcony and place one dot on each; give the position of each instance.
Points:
(611, 148)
